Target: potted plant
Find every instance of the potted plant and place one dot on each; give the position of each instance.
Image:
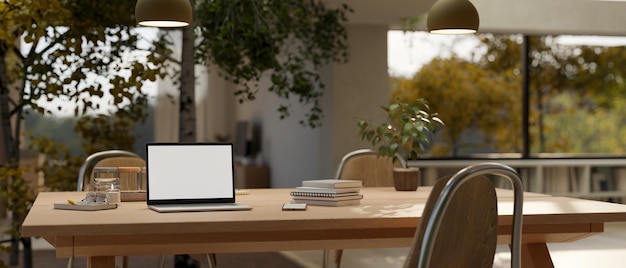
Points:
(407, 128)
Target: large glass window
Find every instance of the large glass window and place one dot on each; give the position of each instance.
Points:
(576, 91)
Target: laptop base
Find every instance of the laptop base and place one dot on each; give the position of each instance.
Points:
(199, 207)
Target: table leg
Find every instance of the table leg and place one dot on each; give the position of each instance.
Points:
(101, 262)
(536, 256)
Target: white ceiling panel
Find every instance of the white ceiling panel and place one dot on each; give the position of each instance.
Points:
(588, 17)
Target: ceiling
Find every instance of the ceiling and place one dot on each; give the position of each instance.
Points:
(533, 17)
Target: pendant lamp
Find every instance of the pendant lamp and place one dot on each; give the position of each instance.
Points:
(452, 17)
(163, 13)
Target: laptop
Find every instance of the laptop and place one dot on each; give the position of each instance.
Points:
(185, 177)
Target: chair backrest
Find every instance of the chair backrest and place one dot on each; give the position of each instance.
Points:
(122, 162)
(111, 158)
(128, 169)
(467, 235)
(367, 166)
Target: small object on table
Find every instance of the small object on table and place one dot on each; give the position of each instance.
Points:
(92, 201)
(84, 205)
(101, 197)
(90, 197)
(242, 191)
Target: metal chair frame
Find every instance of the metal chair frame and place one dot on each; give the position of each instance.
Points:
(92, 160)
(85, 172)
(349, 155)
(334, 259)
(453, 184)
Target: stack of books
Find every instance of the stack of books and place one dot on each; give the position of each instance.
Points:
(328, 192)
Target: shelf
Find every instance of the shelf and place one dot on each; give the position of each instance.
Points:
(592, 178)
(593, 195)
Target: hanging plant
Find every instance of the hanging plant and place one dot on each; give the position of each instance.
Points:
(289, 40)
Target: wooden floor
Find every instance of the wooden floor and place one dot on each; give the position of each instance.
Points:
(604, 250)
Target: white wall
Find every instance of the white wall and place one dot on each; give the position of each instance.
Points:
(360, 87)
(354, 90)
(290, 150)
(215, 105)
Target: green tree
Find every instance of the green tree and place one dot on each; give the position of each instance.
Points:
(89, 53)
(85, 52)
(590, 76)
(466, 97)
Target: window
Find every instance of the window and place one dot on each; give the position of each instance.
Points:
(576, 91)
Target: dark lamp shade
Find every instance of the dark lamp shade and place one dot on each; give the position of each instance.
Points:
(163, 13)
(452, 17)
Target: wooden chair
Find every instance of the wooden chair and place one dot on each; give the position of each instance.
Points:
(374, 171)
(459, 225)
(110, 158)
(366, 165)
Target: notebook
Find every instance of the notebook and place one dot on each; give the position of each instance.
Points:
(191, 177)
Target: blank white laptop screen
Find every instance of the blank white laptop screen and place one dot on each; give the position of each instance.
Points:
(190, 173)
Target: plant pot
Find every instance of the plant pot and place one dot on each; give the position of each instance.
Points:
(406, 179)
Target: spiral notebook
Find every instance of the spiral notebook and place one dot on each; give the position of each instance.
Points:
(191, 177)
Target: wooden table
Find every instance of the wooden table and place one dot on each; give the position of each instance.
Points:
(385, 218)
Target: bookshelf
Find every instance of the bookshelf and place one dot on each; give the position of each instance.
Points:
(601, 178)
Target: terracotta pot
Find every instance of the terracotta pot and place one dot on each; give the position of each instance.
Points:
(406, 179)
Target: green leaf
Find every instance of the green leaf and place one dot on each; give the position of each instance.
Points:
(407, 128)
(383, 150)
(386, 137)
(405, 139)
(375, 140)
(393, 148)
(380, 130)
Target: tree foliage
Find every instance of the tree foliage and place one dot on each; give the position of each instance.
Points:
(466, 97)
(89, 53)
(576, 96)
(289, 40)
(588, 77)
(83, 52)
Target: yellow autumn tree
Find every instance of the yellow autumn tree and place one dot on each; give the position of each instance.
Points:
(576, 97)
(480, 107)
(576, 91)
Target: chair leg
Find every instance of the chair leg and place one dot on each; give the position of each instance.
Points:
(70, 262)
(125, 261)
(212, 260)
(162, 261)
(332, 258)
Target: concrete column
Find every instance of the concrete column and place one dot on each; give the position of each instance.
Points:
(216, 106)
(359, 88)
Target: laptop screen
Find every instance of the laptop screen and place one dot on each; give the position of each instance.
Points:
(179, 173)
